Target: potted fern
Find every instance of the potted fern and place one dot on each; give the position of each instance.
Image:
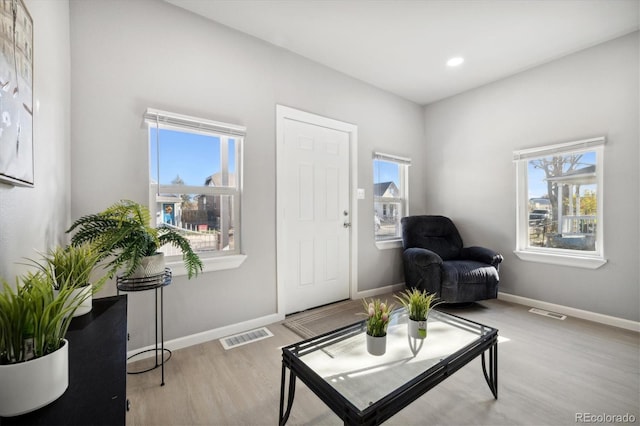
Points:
(418, 304)
(123, 233)
(34, 356)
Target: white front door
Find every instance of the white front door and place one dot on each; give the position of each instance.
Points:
(314, 214)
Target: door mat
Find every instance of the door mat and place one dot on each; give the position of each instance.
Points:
(322, 320)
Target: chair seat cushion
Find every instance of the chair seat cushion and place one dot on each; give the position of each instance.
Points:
(468, 280)
(468, 271)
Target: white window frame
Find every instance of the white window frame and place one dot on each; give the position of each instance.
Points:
(221, 259)
(591, 259)
(404, 163)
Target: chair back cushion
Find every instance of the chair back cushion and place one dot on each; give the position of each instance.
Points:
(435, 233)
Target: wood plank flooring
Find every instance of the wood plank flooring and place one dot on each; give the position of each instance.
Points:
(549, 372)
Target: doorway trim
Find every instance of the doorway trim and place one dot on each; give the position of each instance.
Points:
(287, 113)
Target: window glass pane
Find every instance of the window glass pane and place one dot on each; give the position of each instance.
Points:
(387, 224)
(205, 220)
(388, 199)
(185, 158)
(386, 179)
(563, 197)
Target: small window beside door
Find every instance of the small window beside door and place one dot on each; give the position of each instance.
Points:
(390, 197)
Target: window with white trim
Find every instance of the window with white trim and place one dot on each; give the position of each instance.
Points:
(390, 195)
(195, 171)
(560, 193)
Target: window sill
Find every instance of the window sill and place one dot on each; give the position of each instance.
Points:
(388, 244)
(589, 262)
(211, 264)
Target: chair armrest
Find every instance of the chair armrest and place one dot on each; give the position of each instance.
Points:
(422, 269)
(481, 254)
(421, 257)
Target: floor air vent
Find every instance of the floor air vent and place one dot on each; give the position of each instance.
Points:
(240, 339)
(544, 313)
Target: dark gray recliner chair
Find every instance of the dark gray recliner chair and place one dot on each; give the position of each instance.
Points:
(435, 260)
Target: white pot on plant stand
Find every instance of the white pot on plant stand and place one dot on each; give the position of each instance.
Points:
(150, 266)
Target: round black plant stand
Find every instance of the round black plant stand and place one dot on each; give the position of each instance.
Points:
(155, 282)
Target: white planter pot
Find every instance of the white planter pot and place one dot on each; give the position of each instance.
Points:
(417, 329)
(30, 385)
(376, 345)
(80, 293)
(86, 293)
(149, 266)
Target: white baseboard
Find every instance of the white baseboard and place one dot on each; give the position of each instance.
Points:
(205, 336)
(572, 312)
(217, 333)
(377, 291)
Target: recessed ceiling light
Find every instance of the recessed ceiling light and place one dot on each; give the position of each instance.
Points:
(454, 62)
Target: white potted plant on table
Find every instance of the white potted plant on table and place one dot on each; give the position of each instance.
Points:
(378, 316)
(418, 305)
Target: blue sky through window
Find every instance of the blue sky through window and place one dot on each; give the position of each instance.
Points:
(386, 171)
(194, 157)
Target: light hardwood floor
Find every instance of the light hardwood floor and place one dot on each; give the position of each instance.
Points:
(549, 371)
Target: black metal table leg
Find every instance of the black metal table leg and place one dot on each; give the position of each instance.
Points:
(291, 394)
(492, 376)
(155, 324)
(161, 330)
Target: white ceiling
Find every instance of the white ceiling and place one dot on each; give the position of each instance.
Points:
(402, 45)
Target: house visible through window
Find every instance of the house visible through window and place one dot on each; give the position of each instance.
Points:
(560, 193)
(390, 191)
(194, 175)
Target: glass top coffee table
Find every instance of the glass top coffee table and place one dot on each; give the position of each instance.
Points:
(366, 389)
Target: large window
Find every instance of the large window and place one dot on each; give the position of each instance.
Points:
(560, 203)
(195, 171)
(390, 195)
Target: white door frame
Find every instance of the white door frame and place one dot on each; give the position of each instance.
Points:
(283, 113)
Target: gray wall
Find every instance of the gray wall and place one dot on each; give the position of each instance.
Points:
(36, 218)
(591, 93)
(127, 56)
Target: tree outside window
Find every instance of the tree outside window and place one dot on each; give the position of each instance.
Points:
(567, 220)
(559, 212)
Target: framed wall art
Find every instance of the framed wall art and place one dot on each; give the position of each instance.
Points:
(16, 94)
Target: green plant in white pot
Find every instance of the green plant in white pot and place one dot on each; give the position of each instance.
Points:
(73, 266)
(34, 356)
(418, 304)
(123, 233)
(378, 316)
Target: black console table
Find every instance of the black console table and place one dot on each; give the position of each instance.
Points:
(97, 371)
(154, 282)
